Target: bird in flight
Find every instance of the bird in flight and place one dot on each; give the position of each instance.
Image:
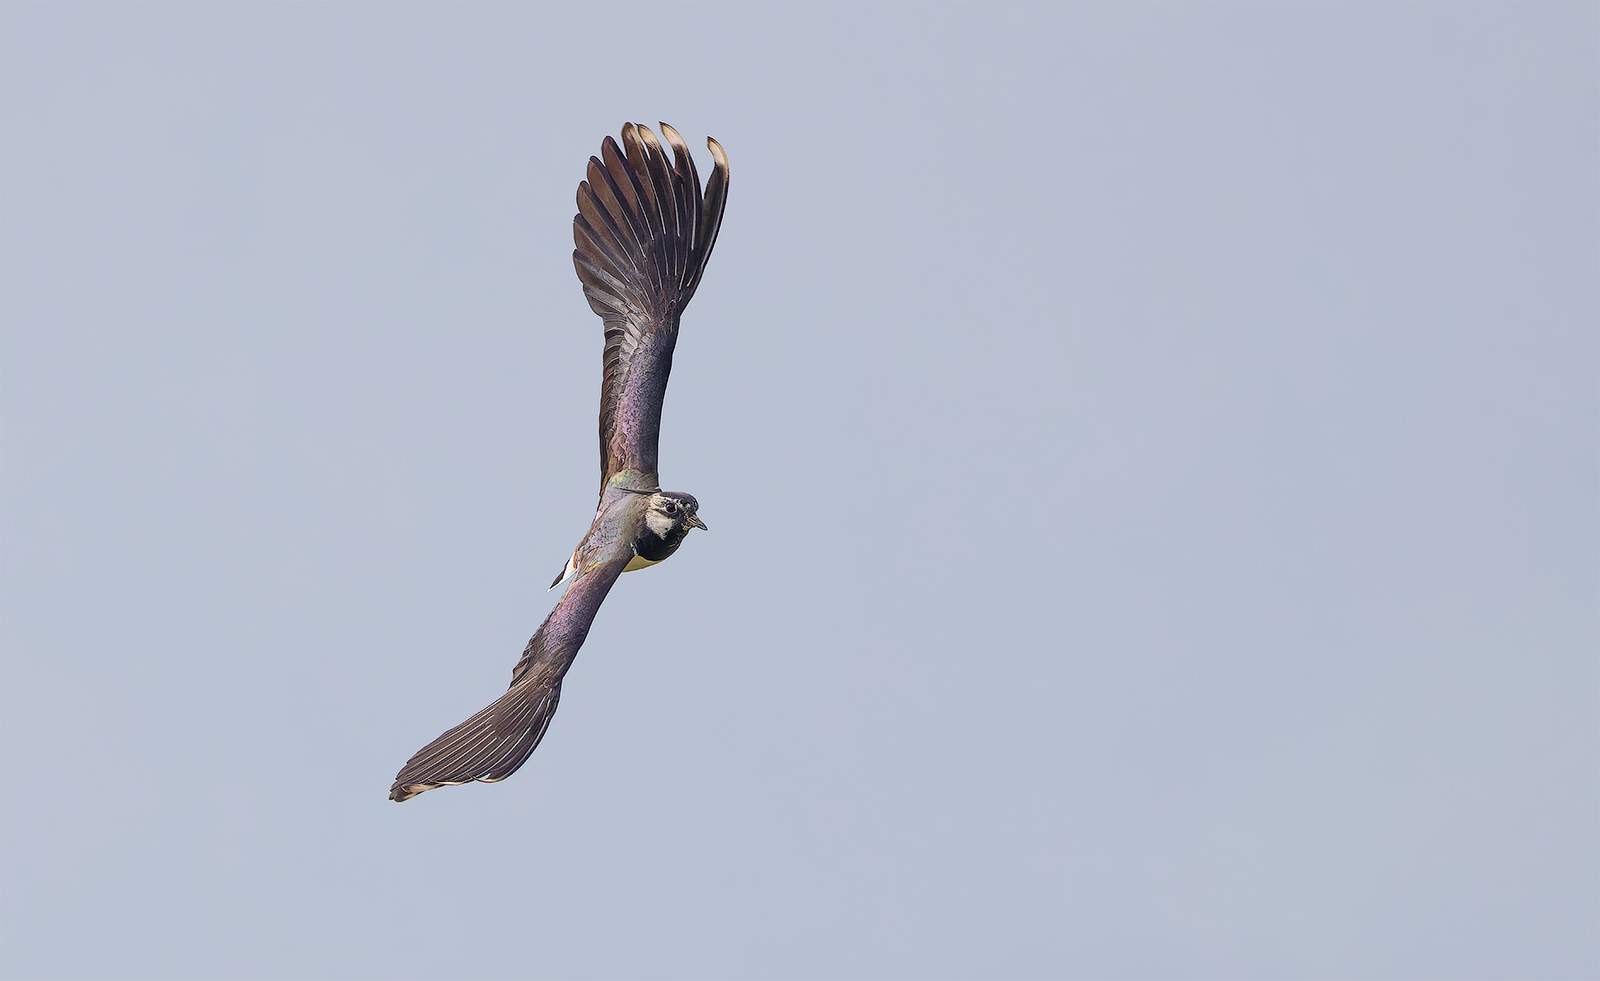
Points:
(644, 232)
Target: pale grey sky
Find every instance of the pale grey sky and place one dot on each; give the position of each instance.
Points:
(1150, 453)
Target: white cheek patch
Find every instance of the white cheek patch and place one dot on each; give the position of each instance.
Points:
(658, 523)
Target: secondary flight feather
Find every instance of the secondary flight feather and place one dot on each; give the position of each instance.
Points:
(644, 232)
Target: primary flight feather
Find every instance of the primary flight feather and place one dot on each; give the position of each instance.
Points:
(644, 232)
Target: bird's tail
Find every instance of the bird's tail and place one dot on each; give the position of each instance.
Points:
(490, 746)
(644, 230)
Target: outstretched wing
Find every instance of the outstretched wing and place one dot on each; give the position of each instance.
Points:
(491, 745)
(643, 233)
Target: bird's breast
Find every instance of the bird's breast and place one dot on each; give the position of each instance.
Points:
(639, 562)
(651, 547)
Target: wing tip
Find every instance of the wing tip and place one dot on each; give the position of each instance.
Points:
(660, 231)
(400, 793)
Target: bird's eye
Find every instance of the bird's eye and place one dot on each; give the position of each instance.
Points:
(672, 507)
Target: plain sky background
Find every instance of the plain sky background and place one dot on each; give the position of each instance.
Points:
(1150, 453)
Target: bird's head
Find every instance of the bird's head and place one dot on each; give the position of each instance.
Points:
(673, 513)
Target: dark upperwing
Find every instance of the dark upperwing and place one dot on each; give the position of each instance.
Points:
(643, 233)
(491, 745)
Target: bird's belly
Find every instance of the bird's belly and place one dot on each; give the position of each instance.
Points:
(639, 562)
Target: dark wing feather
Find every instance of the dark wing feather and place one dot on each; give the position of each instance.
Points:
(644, 233)
(491, 745)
